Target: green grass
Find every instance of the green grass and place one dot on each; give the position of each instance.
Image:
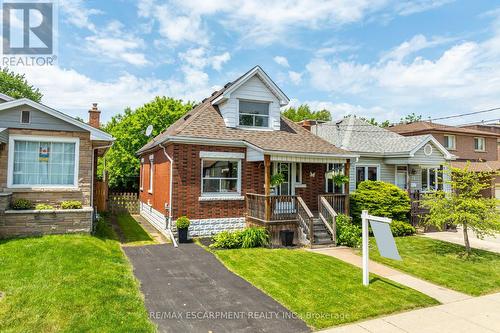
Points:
(69, 283)
(444, 263)
(133, 233)
(322, 290)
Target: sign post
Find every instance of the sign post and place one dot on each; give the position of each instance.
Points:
(383, 236)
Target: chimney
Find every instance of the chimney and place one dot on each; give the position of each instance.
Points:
(306, 124)
(94, 116)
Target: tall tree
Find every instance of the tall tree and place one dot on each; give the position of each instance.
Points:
(122, 165)
(303, 112)
(464, 205)
(16, 85)
(411, 118)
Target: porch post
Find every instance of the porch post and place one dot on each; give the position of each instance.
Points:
(347, 168)
(267, 186)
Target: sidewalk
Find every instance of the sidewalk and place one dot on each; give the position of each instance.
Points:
(478, 314)
(442, 294)
(489, 243)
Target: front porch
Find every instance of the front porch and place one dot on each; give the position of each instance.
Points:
(300, 202)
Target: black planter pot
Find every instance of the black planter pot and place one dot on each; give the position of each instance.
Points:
(183, 235)
(286, 237)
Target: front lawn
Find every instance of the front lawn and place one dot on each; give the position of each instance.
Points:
(69, 283)
(132, 231)
(443, 263)
(322, 290)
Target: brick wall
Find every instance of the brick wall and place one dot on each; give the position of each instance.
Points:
(313, 176)
(161, 180)
(465, 147)
(54, 196)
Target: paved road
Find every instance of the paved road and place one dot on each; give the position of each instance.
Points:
(474, 315)
(187, 289)
(488, 243)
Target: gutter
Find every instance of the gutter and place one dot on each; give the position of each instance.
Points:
(169, 225)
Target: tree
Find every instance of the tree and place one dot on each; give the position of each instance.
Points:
(122, 165)
(464, 205)
(411, 118)
(303, 112)
(372, 121)
(16, 86)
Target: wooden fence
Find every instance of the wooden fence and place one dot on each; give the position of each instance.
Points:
(123, 202)
(416, 211)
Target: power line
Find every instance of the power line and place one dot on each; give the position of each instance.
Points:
(465, 114)
(483, 122)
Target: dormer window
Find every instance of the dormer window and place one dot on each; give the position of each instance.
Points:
(254, 114)
(25, 117)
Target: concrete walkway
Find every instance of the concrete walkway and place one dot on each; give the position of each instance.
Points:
(442, 294)
(489, 243)
(478, 314)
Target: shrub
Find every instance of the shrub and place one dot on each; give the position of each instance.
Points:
(71, 205)
(227, 240)
(380, 199)
(182, 222)
(348, 234)
(22, 204)
(254, 237)
(44, 207)
(400, 228)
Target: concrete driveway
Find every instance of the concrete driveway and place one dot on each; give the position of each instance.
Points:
(488, 243)
(187, 289)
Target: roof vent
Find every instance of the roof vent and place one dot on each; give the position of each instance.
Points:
(187, 117)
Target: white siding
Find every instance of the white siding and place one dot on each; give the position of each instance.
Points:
(153, 216)
(386, 171)
(254, 155)
(255, 90)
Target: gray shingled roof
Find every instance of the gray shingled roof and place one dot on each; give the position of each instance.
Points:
(357, 135)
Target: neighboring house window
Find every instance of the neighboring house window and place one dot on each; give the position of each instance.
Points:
(25, 117)
(43, 162)
(331, 187)
(430, 179)
(141, 174)
(366, 172)
(220, 177)
(151, 173)
(479, 144)
(254, 114)
(449, 142)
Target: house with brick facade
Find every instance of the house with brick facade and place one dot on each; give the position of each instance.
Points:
(47, 157)
(218, 166)
(476, 145)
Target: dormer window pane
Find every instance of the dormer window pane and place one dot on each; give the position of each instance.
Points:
(254, 114)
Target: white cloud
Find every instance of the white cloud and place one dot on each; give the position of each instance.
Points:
(295, 77)
(78, 14)
(200, 58)
(282, 61)
(416, 6)
(218, 60)
(415, 44)
(72, 92)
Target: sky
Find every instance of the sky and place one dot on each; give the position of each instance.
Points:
(373, 58)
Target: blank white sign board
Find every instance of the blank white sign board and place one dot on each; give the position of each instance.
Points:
(384, 239)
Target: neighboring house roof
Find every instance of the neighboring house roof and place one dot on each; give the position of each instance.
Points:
(95, 134)
(205, 123)
(426, 126)
(6, 97)
(487, 166)
(357, 135)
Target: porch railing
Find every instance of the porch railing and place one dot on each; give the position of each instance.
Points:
(328, 216)
(339, 202)
(282, 208)
(305, 219)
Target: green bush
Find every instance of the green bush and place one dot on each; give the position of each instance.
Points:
(227, 240)
(22, 204)
(348, 234)
(71, 205)
(254, 237)
(400, 228)
(44, 207)
(182, 222)
(380, 199)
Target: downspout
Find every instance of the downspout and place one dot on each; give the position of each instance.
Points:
(169, 225)
(93, 175)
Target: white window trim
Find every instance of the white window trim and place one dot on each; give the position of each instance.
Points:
(151, 173)
(35, 138)
(366, 166)
(220, 195)
(297, 172)
(269, 119)
(21, 117)
(454, 146)
(484, 143)
(408, 185)
(427, 170)
(141, 175)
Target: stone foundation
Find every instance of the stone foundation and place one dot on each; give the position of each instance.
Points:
(17, 223)
(209, 227)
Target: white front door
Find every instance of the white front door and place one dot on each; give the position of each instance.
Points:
(402, 177)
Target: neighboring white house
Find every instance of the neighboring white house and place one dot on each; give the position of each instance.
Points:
(412, 163)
